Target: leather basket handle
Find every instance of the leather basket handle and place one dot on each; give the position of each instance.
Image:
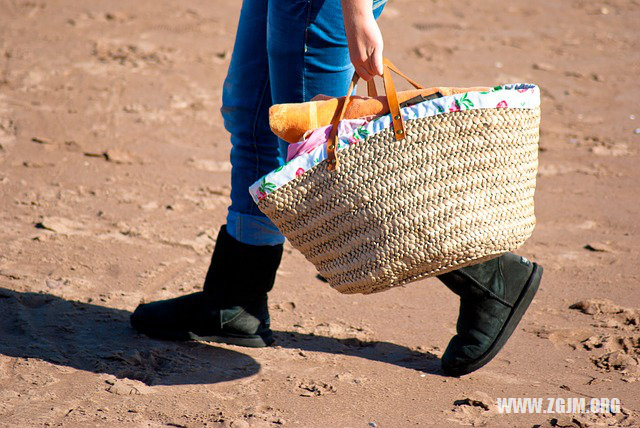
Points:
(392, 100)
(372, 92)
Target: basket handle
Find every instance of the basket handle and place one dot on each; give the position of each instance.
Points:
(372, 92)
(392, 100)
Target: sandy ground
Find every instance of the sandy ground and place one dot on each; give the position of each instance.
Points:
(114, 179)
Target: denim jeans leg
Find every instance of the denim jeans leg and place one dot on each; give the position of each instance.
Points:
(246, 99)
(307, 50)
(286, 51)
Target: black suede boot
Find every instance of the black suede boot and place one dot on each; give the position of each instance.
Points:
(232, 308)
(494, 296)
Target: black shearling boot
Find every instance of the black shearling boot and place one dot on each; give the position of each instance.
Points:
(232, 308)
(494, 296)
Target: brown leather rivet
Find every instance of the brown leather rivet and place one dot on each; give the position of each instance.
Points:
(399, 131)
(397, 117)
(331, 147)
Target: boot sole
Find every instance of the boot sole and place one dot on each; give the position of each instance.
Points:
(249, 341)
(520, 307)
(254, 341)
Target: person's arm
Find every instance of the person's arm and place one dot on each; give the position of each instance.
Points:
(363, 37)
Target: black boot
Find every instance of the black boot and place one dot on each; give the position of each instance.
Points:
(494, 296)
(232, 308)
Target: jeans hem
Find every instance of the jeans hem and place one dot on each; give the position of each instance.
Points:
(253, 230)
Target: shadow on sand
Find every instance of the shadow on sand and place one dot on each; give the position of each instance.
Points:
(99, 339)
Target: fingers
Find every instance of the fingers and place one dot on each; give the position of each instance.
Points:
(375, 60)
(360, 29)
(363, 72)
(365, 43)
(370, 67)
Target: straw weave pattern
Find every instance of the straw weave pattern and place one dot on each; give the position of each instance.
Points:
(456, 191)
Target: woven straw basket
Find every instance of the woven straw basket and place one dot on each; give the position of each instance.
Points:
(456, 189)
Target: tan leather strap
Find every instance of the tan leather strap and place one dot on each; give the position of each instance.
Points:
(401, 74)
(371, 89)
(392, 100)
(332, 141)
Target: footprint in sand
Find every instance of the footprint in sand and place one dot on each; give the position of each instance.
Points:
(614, 150)
(210, 165)
(313, 388)
(283, 307)
(562, 336)
(130, 54)
(473, 409)
(341, 330)
(127, 387)
(63, 226)
(350, 378)
(622, 353)
(621, 342)
(611, 314)
(259, 416)
(626, 418)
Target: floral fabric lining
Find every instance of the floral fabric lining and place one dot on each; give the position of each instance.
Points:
(526, 96)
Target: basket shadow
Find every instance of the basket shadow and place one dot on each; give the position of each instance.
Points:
(99, 339)
(385, 352)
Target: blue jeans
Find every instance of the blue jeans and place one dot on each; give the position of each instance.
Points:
(286, 51)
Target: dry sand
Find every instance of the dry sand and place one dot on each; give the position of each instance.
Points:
(114, 179)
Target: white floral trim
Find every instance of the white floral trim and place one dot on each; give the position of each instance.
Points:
(522, 95)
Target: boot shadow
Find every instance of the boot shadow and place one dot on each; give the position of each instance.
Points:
(99, 339)
(386, 352)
